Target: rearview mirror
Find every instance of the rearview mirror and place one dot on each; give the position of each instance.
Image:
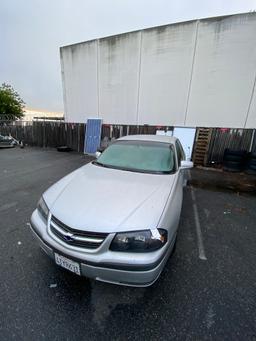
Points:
(97, 154)
(185, 164)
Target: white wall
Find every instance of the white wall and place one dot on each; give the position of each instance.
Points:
(224, 72)
(166, 59)
(251, 119)
(198, 73)
(186, 137)
(79, 80)
(119, 77)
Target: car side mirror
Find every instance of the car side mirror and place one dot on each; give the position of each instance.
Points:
(185, 164)
(97, 154)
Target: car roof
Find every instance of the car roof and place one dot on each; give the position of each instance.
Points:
(153, 138)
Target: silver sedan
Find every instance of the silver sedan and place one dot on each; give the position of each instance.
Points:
(116, 218)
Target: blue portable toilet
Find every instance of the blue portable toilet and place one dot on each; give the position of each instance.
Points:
(92, 135)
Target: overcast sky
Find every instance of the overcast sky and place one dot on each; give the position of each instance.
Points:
(31, 32)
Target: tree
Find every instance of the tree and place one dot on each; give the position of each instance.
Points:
(11, 105)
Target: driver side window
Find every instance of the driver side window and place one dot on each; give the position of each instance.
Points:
(180, 152)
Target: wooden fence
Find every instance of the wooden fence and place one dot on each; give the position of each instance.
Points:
(209, 149)
(236, 139)
(57, 133)
(46, 134)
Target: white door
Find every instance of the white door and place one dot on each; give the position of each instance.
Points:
(186, 137)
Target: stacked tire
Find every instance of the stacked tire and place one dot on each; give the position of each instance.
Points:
(234, 160)
(251, 164)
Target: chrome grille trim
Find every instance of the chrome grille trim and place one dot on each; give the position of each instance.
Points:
(76, 238)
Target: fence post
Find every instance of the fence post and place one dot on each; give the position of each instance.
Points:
(44, 134)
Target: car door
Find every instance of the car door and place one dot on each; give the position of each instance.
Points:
(180, 173)
(180, 157)
(171, 215)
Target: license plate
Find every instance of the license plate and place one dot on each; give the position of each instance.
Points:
(67, 264)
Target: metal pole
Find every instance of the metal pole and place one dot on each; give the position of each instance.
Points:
(252, 140)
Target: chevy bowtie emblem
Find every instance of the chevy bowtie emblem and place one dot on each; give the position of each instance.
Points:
(68, 237)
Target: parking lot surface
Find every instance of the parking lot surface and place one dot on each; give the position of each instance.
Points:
(196, 298)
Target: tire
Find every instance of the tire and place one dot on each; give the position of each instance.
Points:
(252, 167)
(64, 149)
(253, 155)
(234, 160)
(231, 157)
(232, 166)
(252, 162)
(250, 171)
(232, 170)
(241, 153)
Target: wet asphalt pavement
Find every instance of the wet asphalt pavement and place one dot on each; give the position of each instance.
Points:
(194, 299)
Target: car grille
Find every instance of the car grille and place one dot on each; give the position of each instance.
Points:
(78, 238)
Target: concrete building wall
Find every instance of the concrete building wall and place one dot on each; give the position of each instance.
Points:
(224, 72)
(166, 60)
(197, 73)
(119, 78)
(79, 80)
(251, 118)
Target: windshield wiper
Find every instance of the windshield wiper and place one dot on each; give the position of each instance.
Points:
(100, 164)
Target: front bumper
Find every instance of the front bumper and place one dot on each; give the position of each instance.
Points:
(98, 266)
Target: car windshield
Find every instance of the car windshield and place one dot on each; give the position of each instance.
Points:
(140, 156)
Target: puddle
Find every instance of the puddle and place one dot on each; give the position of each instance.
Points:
(105, 298)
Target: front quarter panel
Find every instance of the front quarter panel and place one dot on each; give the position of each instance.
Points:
(171, 214)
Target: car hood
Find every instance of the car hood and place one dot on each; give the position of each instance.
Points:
(99, 199)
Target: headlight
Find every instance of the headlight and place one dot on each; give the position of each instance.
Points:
(42, 208)
(139, 241)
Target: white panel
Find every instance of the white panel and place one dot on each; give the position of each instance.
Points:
(224, 71)
(166, 61)
(118, 78)
(186, 137)
(80, 81)
(251, 121)
(222, 80)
